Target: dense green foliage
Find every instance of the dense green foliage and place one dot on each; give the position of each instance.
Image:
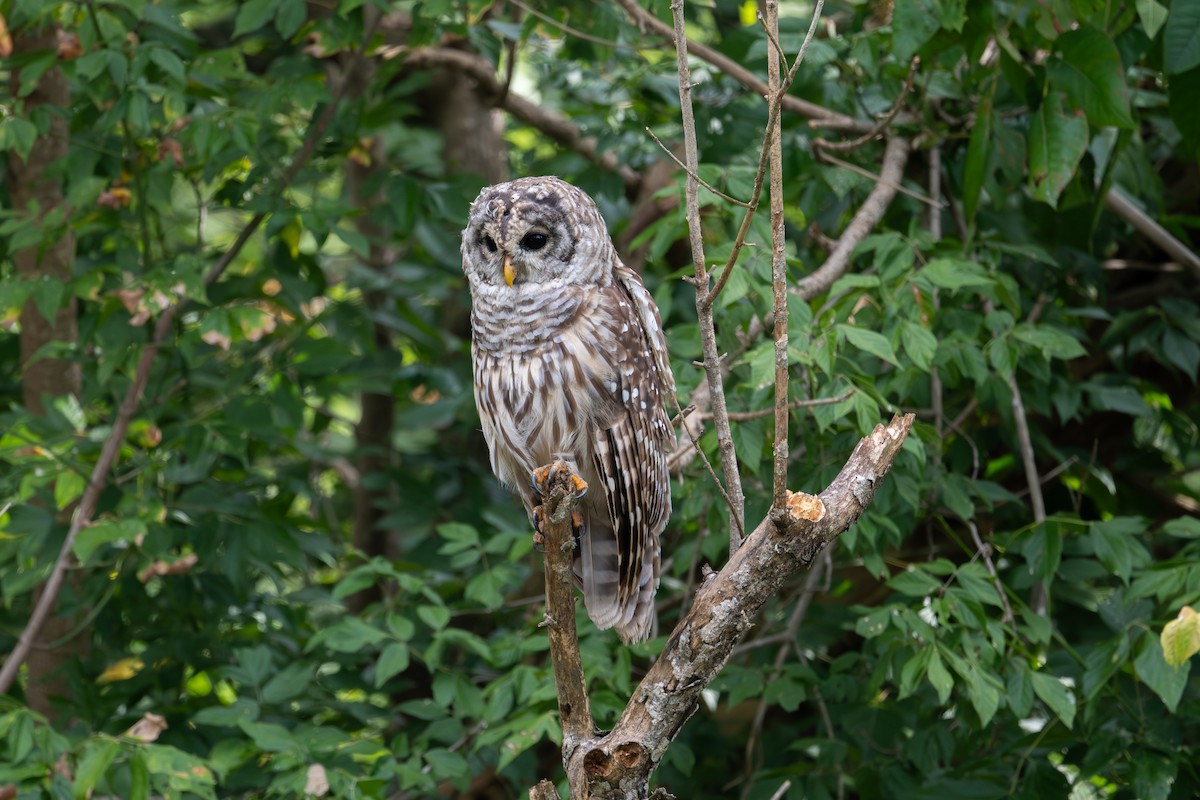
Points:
(903, 678)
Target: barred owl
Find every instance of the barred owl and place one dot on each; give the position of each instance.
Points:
(571, 365)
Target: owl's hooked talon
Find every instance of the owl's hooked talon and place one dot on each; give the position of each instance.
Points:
(542, 477)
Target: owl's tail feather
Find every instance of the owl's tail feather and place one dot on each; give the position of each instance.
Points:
(635, 620)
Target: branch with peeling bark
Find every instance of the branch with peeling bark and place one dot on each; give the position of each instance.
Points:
(619, 764)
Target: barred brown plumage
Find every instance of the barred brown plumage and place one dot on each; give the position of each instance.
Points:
(571, 365)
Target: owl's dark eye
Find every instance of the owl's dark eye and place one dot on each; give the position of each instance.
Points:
(534, 241)
(489, 243)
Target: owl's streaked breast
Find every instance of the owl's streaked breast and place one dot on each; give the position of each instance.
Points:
(528, 381)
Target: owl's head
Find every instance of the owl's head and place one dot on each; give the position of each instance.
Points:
(535, 231)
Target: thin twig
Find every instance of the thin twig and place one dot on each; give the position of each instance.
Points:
(830, 119)
(985, 552)
(775, 106)
(129, 406)
(831, 733)
(773, 38)
(567, 29)
(708, 337)
(884, 121)
(782, 790)
(698, 179)
(1052, 474)
(779, 282)
(935, 233)
(1038, 595)
(687, 431)
(866, 173)
(746, 416)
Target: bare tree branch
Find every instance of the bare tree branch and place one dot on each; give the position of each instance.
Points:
(708, 336)
(574, 710)
(829, 119)
(1125, 208)
(884, 121)
(619, 764)
(551, 123)
(891, 171)
(779, 268)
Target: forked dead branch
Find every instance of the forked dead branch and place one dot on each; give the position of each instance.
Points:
(619, 763)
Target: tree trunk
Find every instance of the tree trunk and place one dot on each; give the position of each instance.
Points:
(52, 260)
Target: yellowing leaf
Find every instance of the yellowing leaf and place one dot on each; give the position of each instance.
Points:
(121, 670)
(749, 12)
(1181, 637)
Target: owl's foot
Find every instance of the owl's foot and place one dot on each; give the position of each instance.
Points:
(542, 477)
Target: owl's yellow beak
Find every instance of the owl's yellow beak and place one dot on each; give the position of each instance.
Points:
(510, 274)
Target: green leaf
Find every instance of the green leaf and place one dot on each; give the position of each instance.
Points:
(350, 635)
(954, 274)
(914, 583)
(392, 661)
(916, 666)
(984, 697)
(17, 135)
(1183, 528)
(1124, 399)
(1180, 637)
(1153, 775)
(48, 296)
(1181, 41)
(241, 710)
(762, 364)
(253, 15)
(139, 777)
(1019, 691)
(105, 531)
(435, 617)
(1051, 691)
(870, 342)
(1152, 14)
(1118, 546)
(1053, 342)
(97, 756)
(1091, 73)
(255, 663)
(914, 22)
(1164, 680)
(289, 682)
(919, 343)
(1057, 142)
(67, 488)
(289, 17)
(169, 63)
(939, 678)
(979, 154)
(1182, 352)
(526, 732)
(269, 737)
(1182, 91)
